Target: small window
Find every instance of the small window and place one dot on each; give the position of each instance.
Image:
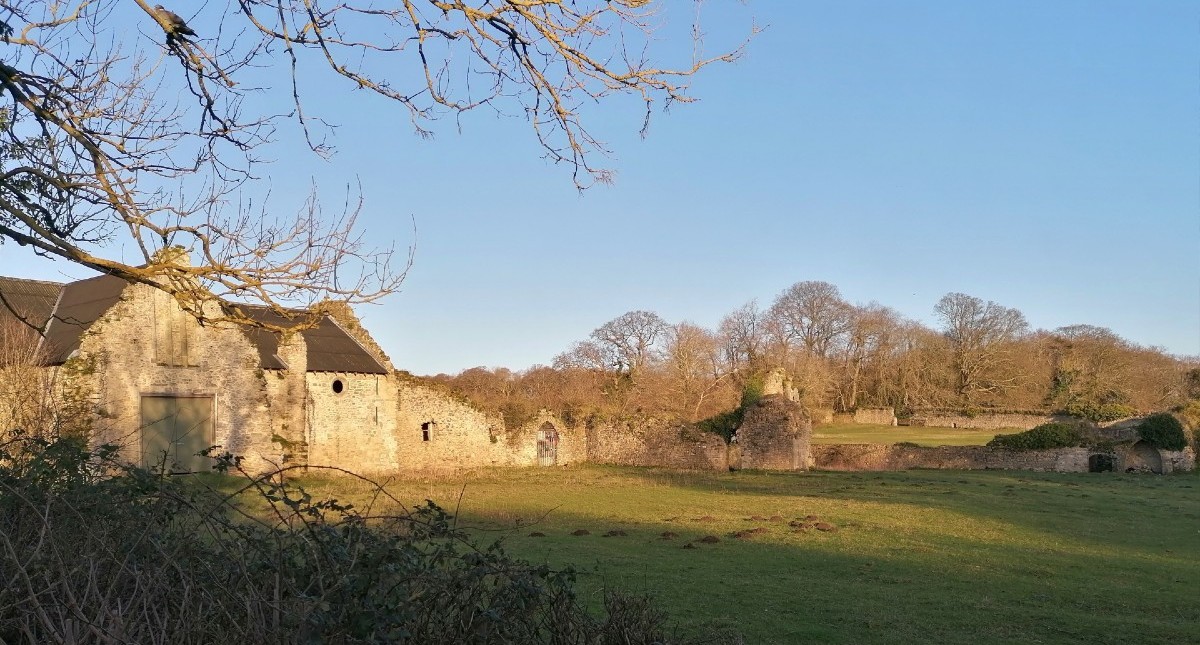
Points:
(338, 386)
(427, 430)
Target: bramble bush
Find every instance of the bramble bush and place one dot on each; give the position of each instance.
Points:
(95, 551)
(1163, 431)
(1043, 437)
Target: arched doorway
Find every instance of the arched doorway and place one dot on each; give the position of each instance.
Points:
(1145, 457)
(547, 445)
(1100, 463)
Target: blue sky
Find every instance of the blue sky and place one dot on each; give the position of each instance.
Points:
(1044, 155)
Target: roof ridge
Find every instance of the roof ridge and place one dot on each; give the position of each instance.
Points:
(32, 280)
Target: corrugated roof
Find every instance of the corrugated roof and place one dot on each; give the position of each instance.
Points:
(80, 305)
(330, 348)
(29, 300)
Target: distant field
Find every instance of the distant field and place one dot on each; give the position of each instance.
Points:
(931, 436)
(916, 557)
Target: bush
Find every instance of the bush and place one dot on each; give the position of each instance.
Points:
(95, 551)
(1043, 437)
(1163, 431)
(725, 424)
(1097, 412)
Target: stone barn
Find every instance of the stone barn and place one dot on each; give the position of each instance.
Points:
(162, 387)
(150, 379)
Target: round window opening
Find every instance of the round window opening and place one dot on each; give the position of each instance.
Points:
(338, 386)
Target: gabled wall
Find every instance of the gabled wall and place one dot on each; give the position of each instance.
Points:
(124, 363)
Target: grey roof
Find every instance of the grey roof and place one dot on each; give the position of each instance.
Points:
(31, 301)
(81, 304)
(330, 348)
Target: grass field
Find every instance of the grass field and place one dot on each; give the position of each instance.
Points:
(862, 433)
(920, 556)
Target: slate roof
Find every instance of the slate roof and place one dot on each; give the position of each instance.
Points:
(330, 348)
(31, 300)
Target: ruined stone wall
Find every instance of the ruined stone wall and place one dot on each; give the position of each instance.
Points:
(656, 442)
(894, 457)
(875, 416)
(522, 446)
(124, 363)
(352, 421)
(774, 435)
(985, 421)
(436, 431)
(1179, 460)
(287, 396)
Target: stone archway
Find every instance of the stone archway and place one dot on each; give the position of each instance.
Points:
(1144, 457)
(1100, 463)
(547, 445)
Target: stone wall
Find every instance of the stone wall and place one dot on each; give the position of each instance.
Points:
(436, 431)
(894, 457)
(653, 442)
(775, 435)
(875, 416)
(124, 354)
(352, 421)
(985, 421)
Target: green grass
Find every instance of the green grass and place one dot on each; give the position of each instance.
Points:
(921, 556)
(925, 436)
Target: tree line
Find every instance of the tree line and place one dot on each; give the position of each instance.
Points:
(982, 356)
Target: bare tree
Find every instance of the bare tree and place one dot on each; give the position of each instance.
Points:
(123, 121)
(982, 336)
(870, 339)
(631, 341)
(813, 314)
(693, 359)
(741, 336)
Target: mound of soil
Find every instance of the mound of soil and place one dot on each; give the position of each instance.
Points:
(706, 518)
(537, 534)
(776, 518)
(669, 535)
(615, 533)
(741, 535)
(824, 526)
(709, 539)
(581, 532)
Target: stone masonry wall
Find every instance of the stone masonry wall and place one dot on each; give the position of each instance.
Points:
(875, 416)
(774, 435)
(893, 457)
(456, 436)
(352, 428)
(985, 421)
(653, 442)
(221, 365)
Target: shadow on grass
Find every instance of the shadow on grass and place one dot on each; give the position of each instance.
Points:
(919, 556)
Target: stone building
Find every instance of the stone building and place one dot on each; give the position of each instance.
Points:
(152, 380)
(164, 387)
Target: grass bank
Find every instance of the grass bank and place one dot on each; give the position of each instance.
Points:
(921, 556)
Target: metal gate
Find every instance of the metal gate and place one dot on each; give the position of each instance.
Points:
(547, 445)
